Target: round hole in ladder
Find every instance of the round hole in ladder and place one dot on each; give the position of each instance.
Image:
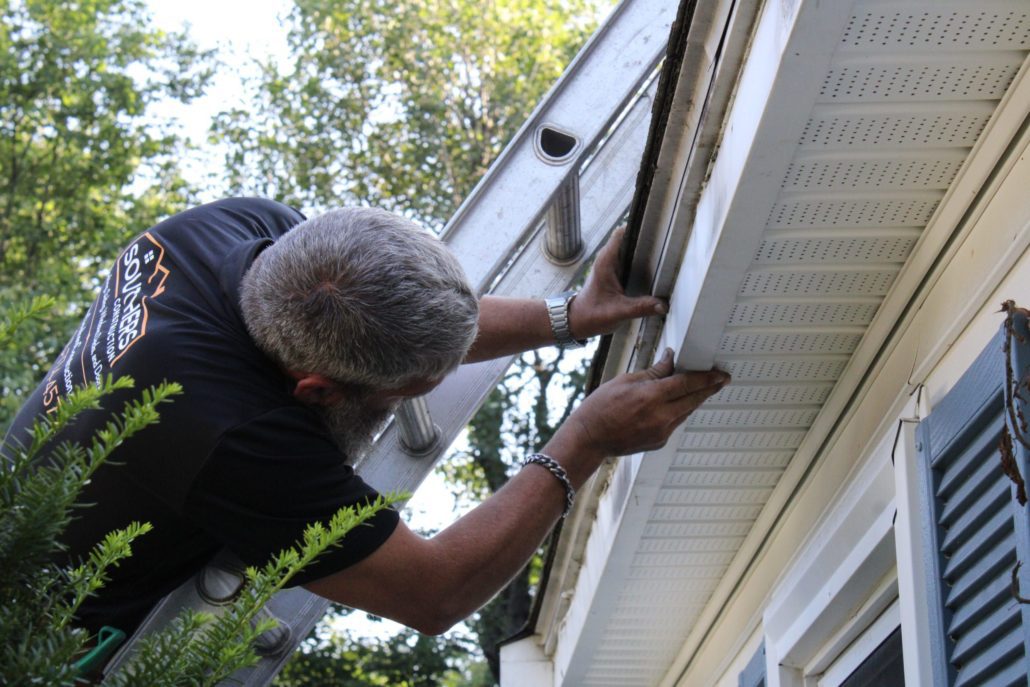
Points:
(555, 146)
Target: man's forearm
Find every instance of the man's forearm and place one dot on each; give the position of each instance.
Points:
(496, 540)
(508, 326)
(431, 584)
(486, 548)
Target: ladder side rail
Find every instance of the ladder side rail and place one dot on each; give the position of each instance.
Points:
(517, 189)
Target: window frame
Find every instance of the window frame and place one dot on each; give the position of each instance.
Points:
(862, 648)
(851, 553)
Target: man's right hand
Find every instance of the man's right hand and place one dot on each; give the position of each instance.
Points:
(634, 412)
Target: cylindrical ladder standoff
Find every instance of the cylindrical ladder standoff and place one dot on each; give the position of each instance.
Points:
(218, 584)
(419, 435)
(564, 241)
(274, 640)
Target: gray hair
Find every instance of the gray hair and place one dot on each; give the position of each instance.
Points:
(361, 296)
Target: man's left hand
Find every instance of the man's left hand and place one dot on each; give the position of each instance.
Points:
(603, 304)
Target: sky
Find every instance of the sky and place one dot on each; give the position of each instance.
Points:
(243, 32)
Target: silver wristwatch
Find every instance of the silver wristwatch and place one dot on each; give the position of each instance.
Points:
(558, 313)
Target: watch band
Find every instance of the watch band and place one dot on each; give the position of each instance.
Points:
(558, 314)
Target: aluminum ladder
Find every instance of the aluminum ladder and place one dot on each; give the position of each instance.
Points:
(528, 229)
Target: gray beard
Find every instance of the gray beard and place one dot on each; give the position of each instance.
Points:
(354, 426)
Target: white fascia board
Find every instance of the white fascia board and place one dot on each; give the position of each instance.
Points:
(722, 243)
(622, 515)
(524, 663)
(793, 44)
(717, 44)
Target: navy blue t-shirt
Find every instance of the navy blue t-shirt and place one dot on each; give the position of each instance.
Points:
(235, 461)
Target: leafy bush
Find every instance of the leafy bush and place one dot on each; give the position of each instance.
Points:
(39, 485)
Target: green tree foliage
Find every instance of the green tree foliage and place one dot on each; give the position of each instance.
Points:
(82, 166)
(406, 659)
(398, 104)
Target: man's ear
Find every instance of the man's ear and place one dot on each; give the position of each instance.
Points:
(314, 389)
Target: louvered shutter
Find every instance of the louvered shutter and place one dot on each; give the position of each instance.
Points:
(753, 674)
(976, 531)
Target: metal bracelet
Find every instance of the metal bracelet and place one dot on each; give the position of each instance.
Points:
(558, 314)
(552, 466)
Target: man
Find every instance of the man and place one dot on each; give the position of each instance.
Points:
(293, 340)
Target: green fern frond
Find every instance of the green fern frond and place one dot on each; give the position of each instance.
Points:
(216, 649)
(37, 493)
(87, 578)
(16, 316)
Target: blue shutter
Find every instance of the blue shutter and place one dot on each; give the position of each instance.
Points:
(753, 674)
(976, 531)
